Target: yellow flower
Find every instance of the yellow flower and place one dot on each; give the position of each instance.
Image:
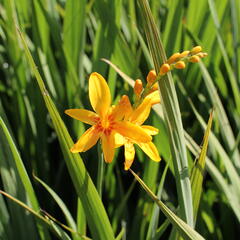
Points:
(106, 121)
(138, 116)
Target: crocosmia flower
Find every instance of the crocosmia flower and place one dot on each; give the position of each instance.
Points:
(106, 120)
(138, 116)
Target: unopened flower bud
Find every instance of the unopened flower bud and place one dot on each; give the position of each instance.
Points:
(122, 109)
(124, 100)
(202, 55)
(151, 77)
(173, 58)
(196, 50)
(194, 59)
(184, 54)
(138, 87)
(180, 65)
(164, 68)
(154, 87)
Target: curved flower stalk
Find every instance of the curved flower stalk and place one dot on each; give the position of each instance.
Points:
(107, 121)
(176, 61)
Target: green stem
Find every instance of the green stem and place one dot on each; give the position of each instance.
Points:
(100, 170)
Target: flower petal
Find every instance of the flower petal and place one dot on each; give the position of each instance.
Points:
(141, 113)
(122, 109)
(86, 141)
(99, 94)
(151, 150)
(132, 131)
(150, 129)
(154, 97)
(129, 153)
(108, 146)
(119, 140)
(83, 115)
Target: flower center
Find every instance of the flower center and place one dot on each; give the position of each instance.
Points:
(106, 124)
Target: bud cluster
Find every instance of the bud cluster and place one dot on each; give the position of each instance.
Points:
(176, 61)
(179, 60)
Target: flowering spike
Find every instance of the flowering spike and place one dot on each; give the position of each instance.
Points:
(138, 87)
(164, 69)
(194, 59)
(196, 50)
(180, 65)
(173, 58)
(151, 77)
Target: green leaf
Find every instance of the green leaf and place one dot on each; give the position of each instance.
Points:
(198, 170)
(63, 207)
(73, 44)
(216, 145)
(172, 116)
(225, 127)
(232, 77)
(12, 159)
(184, 229)
(51, 224)
(96, 215)
(223, 184)
(152, 229)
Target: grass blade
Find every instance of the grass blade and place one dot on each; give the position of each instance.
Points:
(215, 144)
(198, 169)
(51, 224)
(62, 206)
(186, 231)
(232, 78)
(234, 6)
(172, 116)
(96, 215)
(222, 183)
(152, 229)
(22, 174)
(73, 43)
(225, 126)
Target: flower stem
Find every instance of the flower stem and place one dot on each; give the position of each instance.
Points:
(100, 170)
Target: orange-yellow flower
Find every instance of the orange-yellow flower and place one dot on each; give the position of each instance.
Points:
(106, 121)
(138, 116)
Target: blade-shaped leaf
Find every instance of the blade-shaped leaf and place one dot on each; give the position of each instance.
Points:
(225, 127)
(152, 229)
(216, 145)
(96, 215)
(63, 207)
(198, 169)
(172, 116)
(51, 224)
(218, 178)
(184, 229)
(15, 162)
